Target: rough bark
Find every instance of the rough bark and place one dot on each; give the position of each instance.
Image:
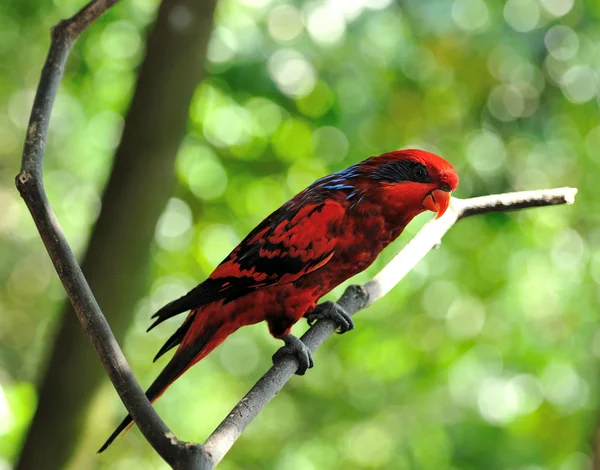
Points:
(117, 255)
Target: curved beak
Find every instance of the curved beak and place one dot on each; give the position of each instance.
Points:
(438, 201)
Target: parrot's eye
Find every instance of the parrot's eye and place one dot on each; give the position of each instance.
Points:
(419, 174)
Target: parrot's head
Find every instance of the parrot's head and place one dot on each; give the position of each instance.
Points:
(413, 180)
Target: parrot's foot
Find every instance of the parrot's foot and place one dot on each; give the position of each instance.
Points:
(332, 311)
(295, 347)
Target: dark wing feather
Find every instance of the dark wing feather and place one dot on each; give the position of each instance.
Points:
(209, 291)
(176, 337)
(293, 241)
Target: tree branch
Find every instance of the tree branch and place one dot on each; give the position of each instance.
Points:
(29, 182)
(356, 298)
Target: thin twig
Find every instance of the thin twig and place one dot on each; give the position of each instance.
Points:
(30, 184)
(356, 298)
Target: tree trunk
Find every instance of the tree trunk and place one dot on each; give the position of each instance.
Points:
(118, 252)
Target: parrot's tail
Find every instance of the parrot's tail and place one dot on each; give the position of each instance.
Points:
(188, 353)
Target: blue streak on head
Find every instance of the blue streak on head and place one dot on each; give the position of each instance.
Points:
(338, 186)
(339, 179)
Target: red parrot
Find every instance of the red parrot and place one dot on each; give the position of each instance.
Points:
(327, 233)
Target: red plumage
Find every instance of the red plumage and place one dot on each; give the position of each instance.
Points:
(329, 232)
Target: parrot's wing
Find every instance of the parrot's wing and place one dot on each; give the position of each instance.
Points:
(288, 244)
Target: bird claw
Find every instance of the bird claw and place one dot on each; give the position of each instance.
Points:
(296, 348)
(332, 311)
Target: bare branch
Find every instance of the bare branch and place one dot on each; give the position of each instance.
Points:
(30, 184)
(431, 234)
(356, 298)
(513, 201)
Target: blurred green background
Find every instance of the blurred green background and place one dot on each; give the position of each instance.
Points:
(485, 356)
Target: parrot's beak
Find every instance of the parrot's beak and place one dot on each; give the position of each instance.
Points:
(438, 201)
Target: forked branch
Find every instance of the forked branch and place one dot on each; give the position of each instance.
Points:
(30, 184)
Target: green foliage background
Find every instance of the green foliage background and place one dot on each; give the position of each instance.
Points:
(486, 356)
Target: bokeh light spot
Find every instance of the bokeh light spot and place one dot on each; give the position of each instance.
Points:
(580, 83)
(497, 401)
(470, 15)
(180, 18)
(529, 393)
(563, 386)
(325, 24)
(121, 40)
(465, 318)
(486, 152)
(318, 102)
(369, 445)
(285, 23)
(522, 15)
(227, 126)
(468, 372)
(222, 46)
(562, 42)
(173, 231)
(293, 140)
(217, 241)
(292, 73)
(568, 250)
(506, 103)
(267, 115)
(105, 129)
(201, 169)
(438, 296)
(557, 8)
(329, 144)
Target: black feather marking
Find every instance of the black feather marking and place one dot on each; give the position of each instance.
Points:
(281, 265)
(176, 338)
(209, 291)
(402, 170)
